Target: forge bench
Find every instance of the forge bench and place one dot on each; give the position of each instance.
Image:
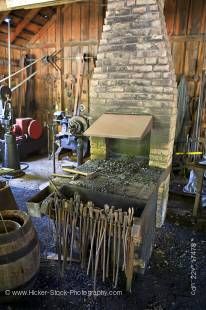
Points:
(142, 197)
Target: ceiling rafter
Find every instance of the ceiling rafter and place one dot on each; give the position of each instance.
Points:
(46, 26)
(19, 28)
(43, 29)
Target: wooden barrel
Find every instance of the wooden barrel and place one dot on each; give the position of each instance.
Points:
(8, 226)
(19, 251)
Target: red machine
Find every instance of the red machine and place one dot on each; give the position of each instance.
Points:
(28, 126)
(30, 136)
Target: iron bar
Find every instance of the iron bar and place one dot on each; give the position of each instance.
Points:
(9, 52)
(20, 70)
(21, 83)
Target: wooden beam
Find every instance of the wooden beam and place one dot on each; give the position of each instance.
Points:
(189, 37)
(41, 45)
(13, 46)
(5, 5)
(43, 30)
(28, 17)
(65, 44)
(59, 46)
(46, 27)
(3, 37)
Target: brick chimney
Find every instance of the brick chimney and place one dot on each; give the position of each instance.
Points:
(135, 74)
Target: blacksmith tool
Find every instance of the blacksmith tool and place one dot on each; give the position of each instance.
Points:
(89, 175)
(106, 210)
(96, 218)
(111, 216)
(115, 243)
(125, 220)
(100, 240)
(118, 246)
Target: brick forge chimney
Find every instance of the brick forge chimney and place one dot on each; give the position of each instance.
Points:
(135, 74)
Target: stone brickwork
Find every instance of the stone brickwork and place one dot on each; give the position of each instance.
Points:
(135, 74)
(162, 200)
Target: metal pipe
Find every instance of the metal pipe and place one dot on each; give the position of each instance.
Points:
(34, 62)
(76, 58)
(9, 51)
(13, 74)
(68, 58)
(21, 83)
(53, 148)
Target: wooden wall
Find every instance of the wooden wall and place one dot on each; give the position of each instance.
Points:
(186, 26)
(76, 28)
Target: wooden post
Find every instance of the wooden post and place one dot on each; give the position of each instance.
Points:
(200, 177)
(22, 89)
(59, 46)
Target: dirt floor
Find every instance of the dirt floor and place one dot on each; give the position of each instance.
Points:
(174, 279)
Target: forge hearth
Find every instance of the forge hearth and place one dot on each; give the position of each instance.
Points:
(134, 74)
(124, 134)
(127, 177)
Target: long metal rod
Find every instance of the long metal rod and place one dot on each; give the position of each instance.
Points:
(75, 57)
(31, 64)
(13, 74)
(53, 149)
(9, 52)
(71, 58)
(1, 217)
(28, 78)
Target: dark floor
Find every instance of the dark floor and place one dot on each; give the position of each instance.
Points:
(165, 285)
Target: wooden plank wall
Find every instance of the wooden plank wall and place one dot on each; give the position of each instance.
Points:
(16, 56)
(77, 28)
(80, 31)
(186, 26)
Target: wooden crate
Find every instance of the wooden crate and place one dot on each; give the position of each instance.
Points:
(35, 202)
(143, 229)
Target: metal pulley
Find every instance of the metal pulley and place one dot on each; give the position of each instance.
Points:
(77, 125)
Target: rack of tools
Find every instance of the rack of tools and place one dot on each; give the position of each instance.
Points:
(102, 237)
